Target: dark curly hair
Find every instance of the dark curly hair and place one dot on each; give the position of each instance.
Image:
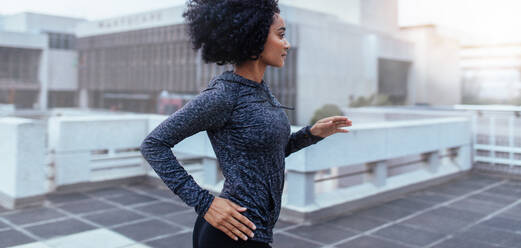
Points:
(230, 31)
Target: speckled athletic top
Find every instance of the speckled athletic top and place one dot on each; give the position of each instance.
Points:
(251, 136)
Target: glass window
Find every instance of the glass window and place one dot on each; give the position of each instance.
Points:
(61, 41)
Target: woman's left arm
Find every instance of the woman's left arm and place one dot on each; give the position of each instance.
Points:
(310, 135)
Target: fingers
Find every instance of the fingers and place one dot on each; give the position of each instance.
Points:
(348, 122)
(235, 205)
(339, 126)
(240, 229)
(241, 222)
(342, 124)
(234, 229)
(336, 118)
(222, 214)
(238, 223)
(241, 217)
(227, 231)
(236, 232)
(224, 224)
(244, 220)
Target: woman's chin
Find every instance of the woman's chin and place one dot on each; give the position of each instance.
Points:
(281, 64)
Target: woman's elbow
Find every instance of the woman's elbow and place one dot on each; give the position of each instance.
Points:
(147, 145)
(153, 145)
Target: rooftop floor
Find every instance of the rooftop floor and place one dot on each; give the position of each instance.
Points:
(474, 211)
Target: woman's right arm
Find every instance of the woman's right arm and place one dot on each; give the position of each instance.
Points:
(210, 109)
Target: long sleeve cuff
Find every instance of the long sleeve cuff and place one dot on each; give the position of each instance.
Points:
(313, 138)
(301, 139)
(204, 204)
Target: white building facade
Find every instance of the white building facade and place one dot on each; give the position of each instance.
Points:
(491, 73)
(38, 60)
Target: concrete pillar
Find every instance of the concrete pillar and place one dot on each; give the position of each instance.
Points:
(83, 101)
(433, 161)
(370, 60)
(463, 159)
(69, 166)
(300, 188)
(23, 166)
(378, 177)
(44, 81)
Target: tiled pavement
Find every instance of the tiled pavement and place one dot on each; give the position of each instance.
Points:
(475, 211)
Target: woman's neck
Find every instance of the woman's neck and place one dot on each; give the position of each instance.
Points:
(252, 70)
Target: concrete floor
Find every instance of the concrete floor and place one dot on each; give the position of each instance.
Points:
(475, 211)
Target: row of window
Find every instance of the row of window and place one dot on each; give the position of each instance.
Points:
(19, 64)
(62, 41)
(168, 34)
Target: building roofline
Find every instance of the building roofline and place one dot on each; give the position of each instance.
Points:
(427, 25)
(484, 44)
(46, 15)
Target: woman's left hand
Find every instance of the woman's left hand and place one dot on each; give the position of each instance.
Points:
(330, 125)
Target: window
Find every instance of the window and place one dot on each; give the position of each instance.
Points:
(61, 41)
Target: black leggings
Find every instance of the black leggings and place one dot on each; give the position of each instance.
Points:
(207, 236)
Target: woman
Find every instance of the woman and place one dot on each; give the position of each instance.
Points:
(248, 129)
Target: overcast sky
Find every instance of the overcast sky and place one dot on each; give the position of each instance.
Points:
(91, 9)
(492, 18)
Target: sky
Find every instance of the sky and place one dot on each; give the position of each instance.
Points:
(487, 19)
(91, 10)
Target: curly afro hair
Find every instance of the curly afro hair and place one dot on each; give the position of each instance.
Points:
(230, 31)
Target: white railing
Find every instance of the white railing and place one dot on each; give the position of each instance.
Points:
(496, 137)
(95, 148)
(6, 108)
(88, 149)
(371, 154)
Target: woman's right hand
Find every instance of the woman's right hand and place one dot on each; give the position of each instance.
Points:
(224, 215)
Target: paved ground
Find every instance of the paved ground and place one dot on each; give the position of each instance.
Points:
(475, 211)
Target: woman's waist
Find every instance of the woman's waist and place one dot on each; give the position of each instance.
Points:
(259, 210)
(264, 173)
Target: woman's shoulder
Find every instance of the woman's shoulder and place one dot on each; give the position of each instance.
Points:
(219, 89)
(222, 83)
(219, 85)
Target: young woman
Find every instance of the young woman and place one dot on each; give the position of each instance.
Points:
(248, 129)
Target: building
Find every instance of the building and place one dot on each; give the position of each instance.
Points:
(491, 72)
(143, 62)
(371, 14)
(436, 72)
(132, 62)
(337, 62)
(129, 61)
(38, 60)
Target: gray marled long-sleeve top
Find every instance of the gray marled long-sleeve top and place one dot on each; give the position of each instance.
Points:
(251, 136)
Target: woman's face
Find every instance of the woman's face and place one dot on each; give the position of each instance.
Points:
(276, 46)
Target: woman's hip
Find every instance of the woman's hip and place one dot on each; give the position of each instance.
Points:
(207, 236)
